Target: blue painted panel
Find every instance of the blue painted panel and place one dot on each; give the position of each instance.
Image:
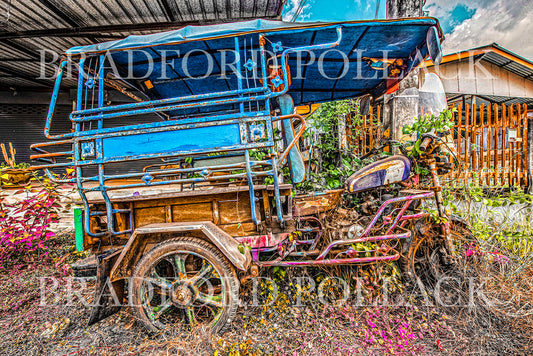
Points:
(197, 139)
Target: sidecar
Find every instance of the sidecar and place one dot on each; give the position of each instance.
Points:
(180, 176)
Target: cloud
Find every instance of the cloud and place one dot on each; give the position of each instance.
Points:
(292, 6)
(507, 23)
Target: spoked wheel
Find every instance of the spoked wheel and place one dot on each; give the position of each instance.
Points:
(429, 259)
(184, 282)
(426, 258)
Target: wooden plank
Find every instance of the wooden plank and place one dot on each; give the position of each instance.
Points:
(168, 213)
(179, 200)
(496, 144)
(501, 148)
(489, 145)
(316, 203)
(266, 205)
(192, 212)
(483, 141)
(518, 146)
(234, 211)
(523, 146)
(379, 127)
(510, 114)
(526, 145)
(370, 130)
(216, 214)
(121, 221)
(365, 130)
(473, 140)
(467, 143)
(150, 215)
(460, 140)
(505, 163)
(512, 148)
(480, 143)
(347, 121)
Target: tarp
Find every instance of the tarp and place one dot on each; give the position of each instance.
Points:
(342, 72)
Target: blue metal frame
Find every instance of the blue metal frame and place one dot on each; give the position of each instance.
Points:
(172, 139)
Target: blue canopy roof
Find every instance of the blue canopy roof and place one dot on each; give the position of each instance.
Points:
(343, 72)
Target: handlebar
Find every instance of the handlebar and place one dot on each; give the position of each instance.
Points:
(379, 148)
(426, 141)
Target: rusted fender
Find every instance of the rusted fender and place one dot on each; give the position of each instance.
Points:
(146, 235)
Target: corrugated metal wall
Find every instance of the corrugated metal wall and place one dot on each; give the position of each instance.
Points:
(23, 125)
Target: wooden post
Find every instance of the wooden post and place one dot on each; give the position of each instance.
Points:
(467, 143)
(490, 171)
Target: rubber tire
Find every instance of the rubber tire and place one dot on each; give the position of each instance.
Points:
(409, 248)
(205, 250)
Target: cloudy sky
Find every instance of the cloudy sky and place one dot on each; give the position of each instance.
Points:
(466, 24)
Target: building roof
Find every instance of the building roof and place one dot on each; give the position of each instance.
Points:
(495, 99)
(494, 54)
(28, 26)
(491, 72)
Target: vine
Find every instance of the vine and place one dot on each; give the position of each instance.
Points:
(331, 164)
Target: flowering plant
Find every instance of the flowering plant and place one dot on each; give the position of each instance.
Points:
(25, 227)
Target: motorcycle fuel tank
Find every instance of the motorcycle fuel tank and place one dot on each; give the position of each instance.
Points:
(386, 171)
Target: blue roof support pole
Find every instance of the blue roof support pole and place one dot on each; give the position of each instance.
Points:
(79, 97)
(271, 131)
(246, 152)
(101, 84)
(76, 149)
(251, 187)
(98, 146)
(77, 156)
(239, 71)
(55, 94)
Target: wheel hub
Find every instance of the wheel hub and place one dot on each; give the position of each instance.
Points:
(183, 295)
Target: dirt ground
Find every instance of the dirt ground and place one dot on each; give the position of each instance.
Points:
(60, 327)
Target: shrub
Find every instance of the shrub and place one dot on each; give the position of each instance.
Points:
(25, 227)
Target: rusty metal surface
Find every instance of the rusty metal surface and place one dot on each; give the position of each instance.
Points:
(316, 203)
(223, 241)
(108, 296)
(173, 191)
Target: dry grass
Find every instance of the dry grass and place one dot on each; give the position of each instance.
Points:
(407, 325)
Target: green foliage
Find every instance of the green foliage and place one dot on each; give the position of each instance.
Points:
(21, 165)
(500, 220)
(258, 154)
(431, 123)
(428, 124)
(333, 166)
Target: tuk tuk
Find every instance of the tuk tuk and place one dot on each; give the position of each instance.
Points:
(200, 205)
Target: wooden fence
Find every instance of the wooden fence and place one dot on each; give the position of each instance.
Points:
(365, 132)
(491, 145)
(490, 142)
